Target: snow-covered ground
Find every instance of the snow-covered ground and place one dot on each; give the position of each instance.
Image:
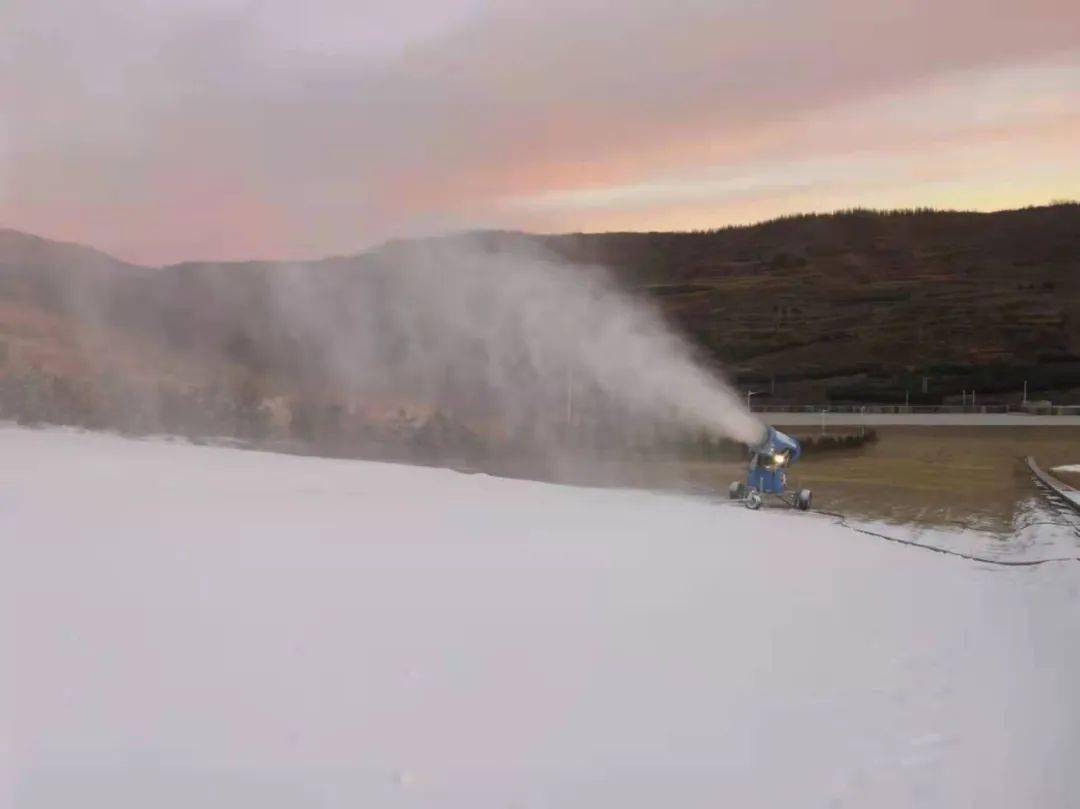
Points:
(218, 628)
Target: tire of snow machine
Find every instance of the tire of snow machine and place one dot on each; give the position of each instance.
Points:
(803, 499)
(753, 500)
(735, 490)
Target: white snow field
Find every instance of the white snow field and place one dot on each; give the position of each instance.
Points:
(206, 627)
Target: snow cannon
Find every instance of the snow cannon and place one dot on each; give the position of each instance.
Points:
(765, 473)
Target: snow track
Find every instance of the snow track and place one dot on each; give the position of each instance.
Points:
(221, 628)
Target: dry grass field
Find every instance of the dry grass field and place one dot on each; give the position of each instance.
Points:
(974, 476)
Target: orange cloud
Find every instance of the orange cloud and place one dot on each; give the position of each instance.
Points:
(163, 130)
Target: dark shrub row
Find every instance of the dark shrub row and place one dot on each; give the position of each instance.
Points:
(828, 443)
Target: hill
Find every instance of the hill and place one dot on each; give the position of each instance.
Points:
(860, 305)
(853, 306)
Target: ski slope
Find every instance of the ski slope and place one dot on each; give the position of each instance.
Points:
(197, 626)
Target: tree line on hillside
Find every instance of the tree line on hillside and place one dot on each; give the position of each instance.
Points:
(791, 301)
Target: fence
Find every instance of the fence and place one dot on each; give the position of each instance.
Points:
(1034, 410)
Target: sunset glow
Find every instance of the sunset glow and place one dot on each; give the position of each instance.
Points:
(164, 130)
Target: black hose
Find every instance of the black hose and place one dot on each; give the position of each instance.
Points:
(842, 520)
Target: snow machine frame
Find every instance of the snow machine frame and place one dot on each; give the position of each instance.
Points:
(765, 474)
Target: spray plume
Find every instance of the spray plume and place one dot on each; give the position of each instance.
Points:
(514, 332)
(497, 332)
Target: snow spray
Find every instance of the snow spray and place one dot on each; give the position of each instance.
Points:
(516, 332)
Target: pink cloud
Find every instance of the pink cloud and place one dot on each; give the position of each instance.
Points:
(163, 135)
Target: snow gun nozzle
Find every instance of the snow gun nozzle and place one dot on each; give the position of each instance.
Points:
(777, 447)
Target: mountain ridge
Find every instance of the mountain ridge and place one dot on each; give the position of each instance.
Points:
(6, 232)
(853, 305)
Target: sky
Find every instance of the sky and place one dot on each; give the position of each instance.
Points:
(169, 130)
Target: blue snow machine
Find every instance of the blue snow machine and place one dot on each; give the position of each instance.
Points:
(765, 473)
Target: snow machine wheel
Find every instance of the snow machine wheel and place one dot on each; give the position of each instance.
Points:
(735, 490)
(803, 499)
(753, 500)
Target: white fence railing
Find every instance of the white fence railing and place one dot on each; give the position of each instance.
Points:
(1036, 410)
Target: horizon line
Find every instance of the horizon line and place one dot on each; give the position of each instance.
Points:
(849, 211)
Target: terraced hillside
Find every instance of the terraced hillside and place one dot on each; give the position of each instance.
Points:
(855, 306)
(862, 305)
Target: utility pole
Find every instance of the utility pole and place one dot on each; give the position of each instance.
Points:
(1025, 392)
